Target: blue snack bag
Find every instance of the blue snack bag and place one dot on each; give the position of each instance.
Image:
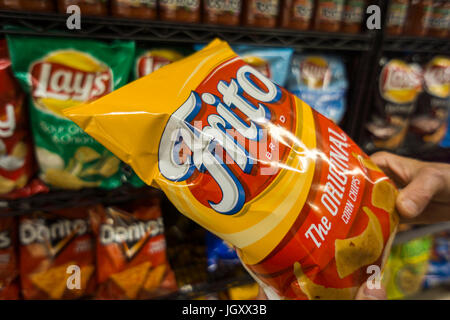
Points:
(219, 252)
(272, 62)
(320, 81)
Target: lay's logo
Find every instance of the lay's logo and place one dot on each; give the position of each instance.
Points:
(68, 77)
(400, 82)
(153, 60)
(437, 77)
(220, 142)
(315, 72)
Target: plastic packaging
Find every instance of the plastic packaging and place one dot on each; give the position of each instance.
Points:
(131, 251)
(17, 164)
(353, 16)
(440, 19)
(87, 7)
(329, 14)
(140, 9)
(225, 12)
(406, 268)
(53, 246)
(180, 10)
(429, 121)
(150, 60)
(9, 262)
(304, 207)
(439, 267)
(28, 5)
(219, 253)
(59, 73)
(419, 16)
(297, 14)
(397, 13)
(399, 85)
(261, 13)
(320, 81)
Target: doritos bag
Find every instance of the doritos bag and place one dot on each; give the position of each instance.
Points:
(9, 264)
(16, 153)
(59, 73)
(57, 256)
(305, 208)
(320, 81)
(131, 252)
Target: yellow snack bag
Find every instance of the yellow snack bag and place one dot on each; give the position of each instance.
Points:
(253, 164)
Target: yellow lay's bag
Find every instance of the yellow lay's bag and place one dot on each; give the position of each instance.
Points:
(305, 208)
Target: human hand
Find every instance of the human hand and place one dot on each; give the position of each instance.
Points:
(425, 187)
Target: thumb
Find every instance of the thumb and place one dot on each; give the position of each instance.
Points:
(413, 199)
(364, 293)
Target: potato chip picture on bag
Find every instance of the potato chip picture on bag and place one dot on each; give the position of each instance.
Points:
(131, 251)
(60, 73)
(254, 165)
(51, 244)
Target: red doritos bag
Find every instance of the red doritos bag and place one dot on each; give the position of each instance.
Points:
(9, 266)
(57, 255)
(131, 252)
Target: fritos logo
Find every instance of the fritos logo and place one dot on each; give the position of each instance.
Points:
(400, 82)
(221, 140)
(315, 72)
(155, 59)
(437, 77)
(68, 77)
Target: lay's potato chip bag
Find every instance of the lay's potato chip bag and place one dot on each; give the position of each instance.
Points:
(254, 165)
(60, 73)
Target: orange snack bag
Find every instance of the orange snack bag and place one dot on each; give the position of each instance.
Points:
(305, 208)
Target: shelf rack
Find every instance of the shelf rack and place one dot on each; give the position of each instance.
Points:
(54, 24)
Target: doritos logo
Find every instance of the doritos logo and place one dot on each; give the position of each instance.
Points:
(131, 234)
(55, 233)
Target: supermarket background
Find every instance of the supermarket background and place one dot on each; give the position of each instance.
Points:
(66, 201)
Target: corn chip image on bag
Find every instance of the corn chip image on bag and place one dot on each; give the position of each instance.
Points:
(257, 167)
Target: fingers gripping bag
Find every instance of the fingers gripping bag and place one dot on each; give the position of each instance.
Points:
(305, 208)
(60, 73)
(320, 81)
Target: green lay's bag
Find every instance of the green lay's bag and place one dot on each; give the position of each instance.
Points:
(59, 73)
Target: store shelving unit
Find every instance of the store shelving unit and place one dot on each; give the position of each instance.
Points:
(365, 48)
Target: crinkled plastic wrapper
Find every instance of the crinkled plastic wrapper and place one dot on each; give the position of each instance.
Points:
(311, 217)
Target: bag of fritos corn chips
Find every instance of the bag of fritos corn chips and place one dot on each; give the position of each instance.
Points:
(305, 208)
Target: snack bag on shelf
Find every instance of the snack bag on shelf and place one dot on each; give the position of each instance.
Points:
(59, 73)
(16, 152)
(320, 81)
(9, 264)
(406, 268)
(57, 257)
(131, 252)
(429, 121)
(271, 62)
(395, 96)
(219, 253)
(305, 208)
(150, 60)
(439, 267)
